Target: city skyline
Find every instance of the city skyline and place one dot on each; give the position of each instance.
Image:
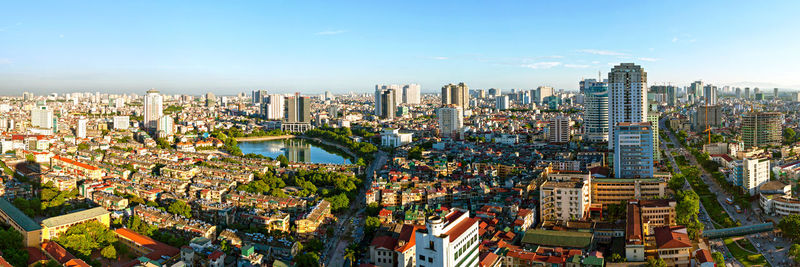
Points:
(274, 46)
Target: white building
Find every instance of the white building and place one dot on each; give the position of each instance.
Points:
(121, 122)
(153, 109)
(272, 107)
(559, 130)
(451, 120)
(393, 138)
(80, 131)
(756, 173)
(627, 96)
(411, 94)
(506, 139)
(42, 117)
(502, 102)
(451, 240)
(565, 200)
(164, 126)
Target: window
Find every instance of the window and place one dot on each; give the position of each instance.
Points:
(430, 259)
(422, 257)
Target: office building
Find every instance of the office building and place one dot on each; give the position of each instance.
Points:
(379, 91)
(451, 240)
(164, 126)
(481, 93)
(595, 123)
(747, 92)
(272, 107)
(775, 93)
(388, 104)
(627, 93)
(613, 191)
(541, 93)
(633, 150)
(451, 120)
(494, 92)
(121, 122)
(411, 94)
(502, 102)
(211, 100)
(80, 130)
(153, 109)
(756, 173)
(559, 130)
(456, 94)
(296, 114)
(707, 117)
(394, 138)
(738, 92)
(328, 96)
(258, 96)
(761, 129)
(696, 90)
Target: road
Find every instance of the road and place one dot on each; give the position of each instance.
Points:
(765, 243)
(338, 243)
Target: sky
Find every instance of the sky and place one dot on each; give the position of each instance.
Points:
(228, 47)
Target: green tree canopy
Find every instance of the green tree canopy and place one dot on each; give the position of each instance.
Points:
(181, 208)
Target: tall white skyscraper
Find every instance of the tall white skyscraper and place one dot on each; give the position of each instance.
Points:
(502, 102)
(411, 94)
(627, 96)
(164, 126)
(451, 120)
(542, 92)
(379, 89)
(80, 131)
(153, 109)
(710, 94)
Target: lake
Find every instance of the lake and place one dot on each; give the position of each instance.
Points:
(296, 149)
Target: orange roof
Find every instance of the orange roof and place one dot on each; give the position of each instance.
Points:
(158, 249)
(669, 237)
(76, 163)
(460, 228)
(76, 263)
(4, 263)
(408, 234)
(57, 252)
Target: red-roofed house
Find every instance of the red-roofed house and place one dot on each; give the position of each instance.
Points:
(673, 245)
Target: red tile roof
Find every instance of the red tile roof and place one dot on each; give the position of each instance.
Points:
(76, 263)
(703, 255)
(386, 242)
(408, 236)
(669, 237)
(59, 253)
(76, 163)
(4, 263)
(461, 227)
(158, 249)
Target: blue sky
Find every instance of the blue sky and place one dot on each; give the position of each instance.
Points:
(285, 46)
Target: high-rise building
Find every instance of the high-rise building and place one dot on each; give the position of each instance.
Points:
(652, 118)
(333, 111)
(296, 114)
(388, 104)
(627, 95)
(502, 102)
(565, 200)
(494, 92)
(211, 99)
(756, 173)
(775, 93)
(760, 129)
(710, 94)
(411, 94)
(696, 89)
(707, 117)
(595, 122)
(541, 93)
(121, 122)
(153, 109)
(455, 94)
(451, 240)
(379, 90)
(633, 150)
(272, 107)
(558, 129)
(451, 120)
(42, 117)
(80, 130)
(481, 93)
(747, 92)
(328, 96)
(258, 96)
(164, 126)
(738, 92)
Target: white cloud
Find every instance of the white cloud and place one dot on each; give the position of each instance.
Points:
(576, 66)
(331, 32)
(602, 52)
(440, 58)
(5, 61)
(541, 65)
(60, 36)
(650, 59)
(674, 39)
(595, 62)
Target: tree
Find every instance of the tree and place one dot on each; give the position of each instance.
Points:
(309, 259)
(12, 247)
(615, 257)
(371, 224)
(283, 160)
(790, 225)
(87, 237)
(688, 206)
(181, 208)
(338, 202)
(109, 252)
(351, 252)
(718, 258)
(656, 262)
(794, 252)
(789, 135)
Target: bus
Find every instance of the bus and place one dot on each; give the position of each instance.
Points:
(729, 201)
(738, 209)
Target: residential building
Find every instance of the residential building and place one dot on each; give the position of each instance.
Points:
(121, 122)
(652, 118)
(502, 102)
(450, 240)
(559, 129)
(388, 104)
(565, 200)
(710, 95)
(456, 94)
(272, 107)
(633, 150)
(451, 120)
(316, 217)
(627, 96)
(707, 117)
(756, 173)
(673, 245)
(42, 117)
(541, 93)
(613, 191)
(153, 109)
(760, 129)
(165, 126)
(411, 94)
(80, 130)
(296, 114)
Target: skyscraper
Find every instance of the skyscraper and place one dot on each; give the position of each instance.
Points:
(541, 93)
(411, 94)
(775, 93)
(558, 129)
(80, 131)
(379, 89)
(211, 100)
(453, 94)
(388, 104)
(747, 92)
(738, 92)
(42, 117)
(633, 150)
(595, 123)
(258, 96)
(451, 119)
(627, 93)
(760, 129)
(164, 127)
(153, 109)
(696, 89)
(652, 118)
(297, 114)
(272, 107)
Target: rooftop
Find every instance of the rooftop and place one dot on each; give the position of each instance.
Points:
(74, 217)
(552, 238)
(18, 216)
